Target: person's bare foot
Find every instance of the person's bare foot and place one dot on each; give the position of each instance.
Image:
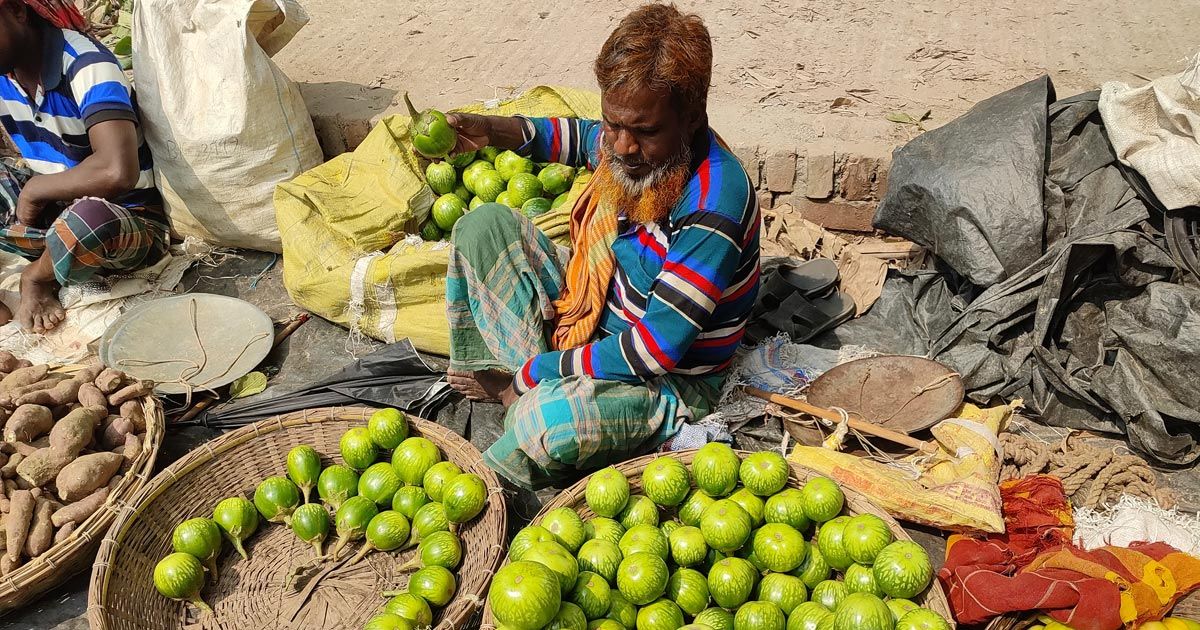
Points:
(39, 310)
(483, 386)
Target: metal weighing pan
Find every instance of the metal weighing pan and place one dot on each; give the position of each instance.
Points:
(204, 340)
(906, 394)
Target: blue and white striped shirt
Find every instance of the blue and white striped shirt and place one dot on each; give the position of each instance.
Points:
(82, 85)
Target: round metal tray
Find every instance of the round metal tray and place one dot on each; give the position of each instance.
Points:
(901, 393)
(157, 340)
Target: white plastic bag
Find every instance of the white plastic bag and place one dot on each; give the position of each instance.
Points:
(1155, 128)
(225, 125)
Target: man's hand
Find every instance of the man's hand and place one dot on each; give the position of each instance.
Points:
(474, 131)
(29, 209)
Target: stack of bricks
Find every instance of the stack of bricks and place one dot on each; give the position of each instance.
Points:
(838, 191)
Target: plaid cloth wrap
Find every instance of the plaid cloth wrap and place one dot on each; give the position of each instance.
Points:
(503, 278)
(88, 236)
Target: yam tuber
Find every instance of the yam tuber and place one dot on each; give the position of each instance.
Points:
(8, 362)
(80, 510)
(133, 447)
(24, 376)
(9, 470)
(63, 532)
(115, 430)
(16, 524)
(132, 409)
(64, 393)
(43, 466)
(90, 396)
(130, 392)
(7, 397)
(25, 448)
(28, 423)
(41, 530)
(88, 373)
(8, 565)
(74, 432)
(82, 476)
(109, 380)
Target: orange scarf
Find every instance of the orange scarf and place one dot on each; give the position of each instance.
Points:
(589, 272)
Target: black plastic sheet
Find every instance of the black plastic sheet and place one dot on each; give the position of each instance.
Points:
(1092, 324)
(393, 376)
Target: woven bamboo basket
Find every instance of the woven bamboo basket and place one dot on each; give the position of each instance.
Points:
(251, 595)
(77, 553)
(933, 598)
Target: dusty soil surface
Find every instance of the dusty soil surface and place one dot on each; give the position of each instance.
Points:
(788, 73)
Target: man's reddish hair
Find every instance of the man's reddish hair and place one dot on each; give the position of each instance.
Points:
(658, 47)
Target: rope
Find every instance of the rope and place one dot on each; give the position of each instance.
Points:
(190, 371)
(1091, 476)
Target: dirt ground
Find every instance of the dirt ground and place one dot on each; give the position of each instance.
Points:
(788, 73)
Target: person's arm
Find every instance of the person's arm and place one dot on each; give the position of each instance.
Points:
(111, 170)
(700, 265)
(570, 141)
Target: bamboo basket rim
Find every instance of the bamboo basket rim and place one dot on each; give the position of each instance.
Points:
(933, 598)
(74, 555)
(493, 520)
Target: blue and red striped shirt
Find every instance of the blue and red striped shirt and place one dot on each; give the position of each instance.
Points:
(683, 290)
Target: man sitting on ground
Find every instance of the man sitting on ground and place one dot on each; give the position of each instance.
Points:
(603, 354)
(87, 201)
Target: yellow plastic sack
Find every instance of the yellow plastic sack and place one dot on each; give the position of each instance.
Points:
(348, 226)
(954, 488)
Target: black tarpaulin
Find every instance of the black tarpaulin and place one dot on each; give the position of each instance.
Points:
(1080, 309)
(393, 376)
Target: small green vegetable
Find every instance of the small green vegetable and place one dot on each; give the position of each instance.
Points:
(351, 521)
(201, 538)
(357, 448)
(336, 484)
(439, 549)
(181, 576)
(276, 498)
(465, 497)
(437, 477)
(238, 519)
(310, 522)
(388, 428)
(408, 500)
(386, 531)
(304, 469)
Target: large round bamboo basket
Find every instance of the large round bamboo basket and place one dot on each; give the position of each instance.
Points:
(933, 598)
(78, 552)
(253, 595)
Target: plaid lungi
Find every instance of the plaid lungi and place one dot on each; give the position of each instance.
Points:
(86, 237)
(503, 278)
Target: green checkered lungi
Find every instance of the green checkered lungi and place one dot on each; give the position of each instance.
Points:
(86, 237)
(503, 278)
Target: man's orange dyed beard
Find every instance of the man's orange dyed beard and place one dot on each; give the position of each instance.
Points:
(649, 200)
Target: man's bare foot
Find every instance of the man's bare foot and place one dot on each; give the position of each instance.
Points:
(39, 310)
(484, 385)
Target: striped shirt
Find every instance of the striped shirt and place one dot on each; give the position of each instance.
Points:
(82, 85)
(683, 291)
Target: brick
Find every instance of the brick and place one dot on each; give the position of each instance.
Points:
(748, 156)
(779, 171)
(881, 178)
(819, 176)
(858, 178)
(838, 214)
